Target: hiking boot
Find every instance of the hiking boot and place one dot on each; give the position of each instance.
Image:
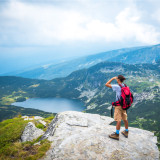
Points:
(125, 133)
(114, 136)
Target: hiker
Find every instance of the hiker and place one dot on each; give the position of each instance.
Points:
(119, 113)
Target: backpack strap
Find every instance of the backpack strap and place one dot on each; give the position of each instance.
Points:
(122, 86)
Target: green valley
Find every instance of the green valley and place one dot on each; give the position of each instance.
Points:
(88, 85)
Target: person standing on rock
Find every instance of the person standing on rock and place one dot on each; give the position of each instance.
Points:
(119, 113)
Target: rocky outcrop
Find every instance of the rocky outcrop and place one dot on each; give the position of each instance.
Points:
(42, 122)
(32, 118)
(31, 132)
(83, 136)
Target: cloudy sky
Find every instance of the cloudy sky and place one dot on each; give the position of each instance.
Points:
(34, 32)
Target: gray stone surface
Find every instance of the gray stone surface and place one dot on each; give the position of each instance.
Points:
(32, 118)
(84, 136)
(31, 132)
(42, 122)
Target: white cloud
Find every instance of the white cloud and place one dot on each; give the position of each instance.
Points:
(130, 26)
(155, 15)
(33, 24)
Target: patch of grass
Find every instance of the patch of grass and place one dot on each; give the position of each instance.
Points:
(13, 97)
(12, 148)
(39, 125)
(11, 130)
(25, 150)
(49, 119)
(7, 100)
(34, 85)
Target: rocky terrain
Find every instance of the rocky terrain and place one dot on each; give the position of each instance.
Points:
(31, 131)
(84, 136)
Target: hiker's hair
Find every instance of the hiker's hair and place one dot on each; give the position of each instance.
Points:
(121, 78)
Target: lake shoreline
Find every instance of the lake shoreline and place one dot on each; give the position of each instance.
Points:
(52, 104)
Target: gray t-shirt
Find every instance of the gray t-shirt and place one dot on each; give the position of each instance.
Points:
(116, 88)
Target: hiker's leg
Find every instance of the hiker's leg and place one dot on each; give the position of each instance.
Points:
(118, 126)
(124, 117)
(115, 135)
(125, 132)
(126, 124)
(117, 117)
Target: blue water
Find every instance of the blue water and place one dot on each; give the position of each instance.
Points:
(54, 105)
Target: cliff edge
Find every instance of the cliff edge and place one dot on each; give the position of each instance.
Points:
(84, 136)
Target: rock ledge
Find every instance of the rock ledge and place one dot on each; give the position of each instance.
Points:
(83, 136)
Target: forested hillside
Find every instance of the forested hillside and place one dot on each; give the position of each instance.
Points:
(88, 85)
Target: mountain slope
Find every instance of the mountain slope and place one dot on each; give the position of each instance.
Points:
(142, 55)
(88, 85)
(50, 71)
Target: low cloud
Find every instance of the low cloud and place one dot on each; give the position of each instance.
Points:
(34, 24)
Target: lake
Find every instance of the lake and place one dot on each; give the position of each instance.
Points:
(54, 105)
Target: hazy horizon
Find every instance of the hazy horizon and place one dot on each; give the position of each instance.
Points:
(37, 32)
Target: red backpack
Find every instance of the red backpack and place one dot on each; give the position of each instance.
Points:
(126, 99)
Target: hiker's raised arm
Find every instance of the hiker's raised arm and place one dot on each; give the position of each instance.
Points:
(108, 83)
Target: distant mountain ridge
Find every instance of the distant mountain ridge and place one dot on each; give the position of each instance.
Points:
(50, 71)
(143, 55)
(88, 85)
